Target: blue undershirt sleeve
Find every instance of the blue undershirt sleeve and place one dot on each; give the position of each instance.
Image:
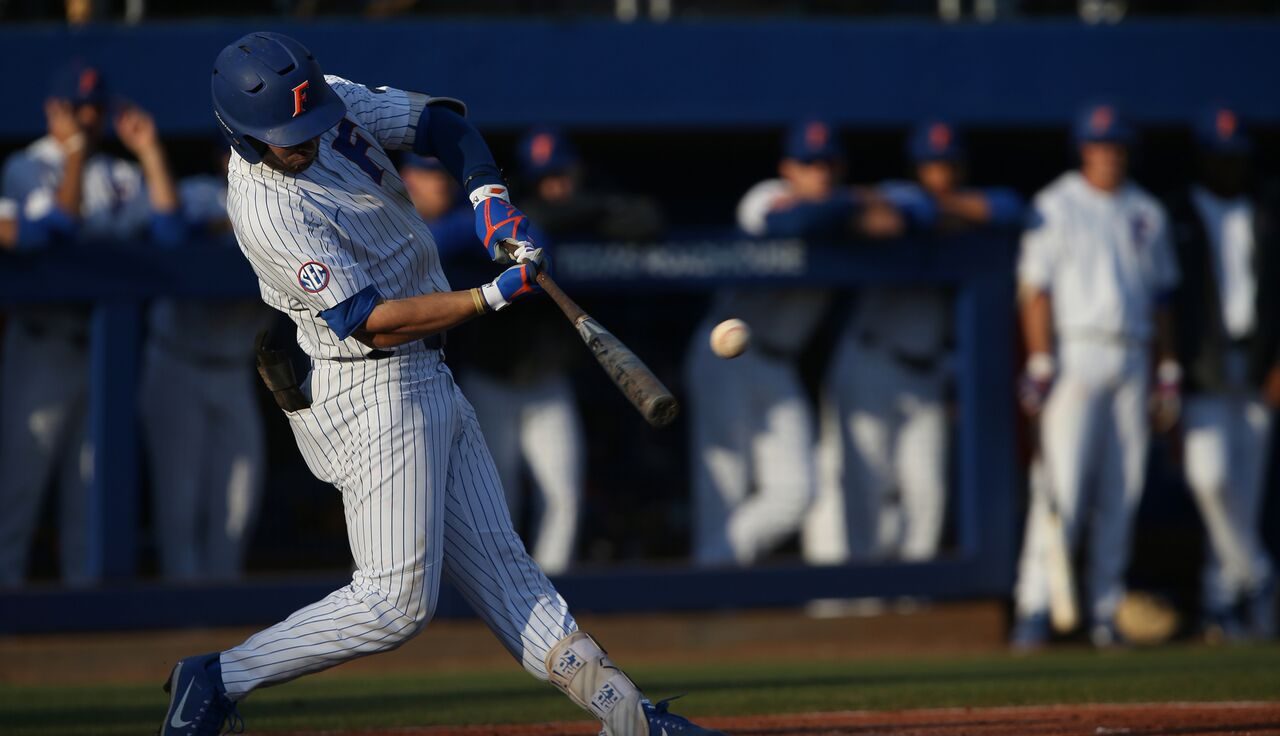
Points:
(346, 317)
(448, 136)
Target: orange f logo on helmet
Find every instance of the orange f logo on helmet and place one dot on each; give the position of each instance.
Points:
(300, 98)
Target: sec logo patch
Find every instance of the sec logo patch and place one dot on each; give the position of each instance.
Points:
(313, 277)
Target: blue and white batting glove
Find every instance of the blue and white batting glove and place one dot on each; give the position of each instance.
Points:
(503, 229)
(513, 284)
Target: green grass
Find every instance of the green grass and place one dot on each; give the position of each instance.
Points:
(336, 702)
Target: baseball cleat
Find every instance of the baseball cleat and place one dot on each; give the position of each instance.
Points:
(663, 722)
(1030, 633)
(1260, 607)
(1105, 635)
(1223, 626)
(198, 704)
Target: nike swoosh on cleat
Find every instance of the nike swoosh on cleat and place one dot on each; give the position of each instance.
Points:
(177, 721)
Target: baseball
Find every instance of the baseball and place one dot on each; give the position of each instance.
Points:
(730, 338)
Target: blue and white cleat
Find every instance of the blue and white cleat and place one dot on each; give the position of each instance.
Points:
(198, 704)
(663, 722)
(1030, 633)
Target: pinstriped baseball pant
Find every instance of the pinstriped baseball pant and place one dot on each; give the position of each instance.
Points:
(421, 498)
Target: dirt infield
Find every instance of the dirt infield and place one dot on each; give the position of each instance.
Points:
(1165, 719)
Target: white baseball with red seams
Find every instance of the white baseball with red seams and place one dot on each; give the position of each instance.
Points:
(730, 338)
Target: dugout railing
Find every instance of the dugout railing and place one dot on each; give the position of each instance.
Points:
(118, 281)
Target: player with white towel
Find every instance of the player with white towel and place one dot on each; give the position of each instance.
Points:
(1095, 273)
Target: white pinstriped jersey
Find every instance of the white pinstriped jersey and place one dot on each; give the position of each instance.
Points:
(346, 223)
(1104, 257)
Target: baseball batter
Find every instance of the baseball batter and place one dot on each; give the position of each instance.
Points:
(1095, 271)
(1227, 338)
(324, 219)
(200, 415)
(65, 186)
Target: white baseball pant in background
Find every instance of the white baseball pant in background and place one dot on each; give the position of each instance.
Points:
(45, 394)
(752, 452)
(205, 450)
(1226, 436)
(893, 430)
(536, 426)
(1094, 435)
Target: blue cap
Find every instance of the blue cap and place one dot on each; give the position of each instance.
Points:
(79, 82)
(1101, 123)
(935, 140)
(426, 163)
(1219, 130)
(813, 140)
(545, 151)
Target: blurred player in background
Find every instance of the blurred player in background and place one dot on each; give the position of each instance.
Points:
(199, 409)
(750, 422)
(440, 203)
(888, 377)
(1228, 312)
(1095, 273)
(63, 184)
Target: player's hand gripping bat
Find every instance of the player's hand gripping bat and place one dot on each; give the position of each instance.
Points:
(634, 379)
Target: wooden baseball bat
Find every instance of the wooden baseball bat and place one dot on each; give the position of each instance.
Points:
(632, 377)
(1064, 608)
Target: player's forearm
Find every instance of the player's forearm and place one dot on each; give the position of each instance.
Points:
(399, 321)
(1037, 322)
(971, 207)
(8, 232)
(71, 188)
(160, 187)
(1166, 347)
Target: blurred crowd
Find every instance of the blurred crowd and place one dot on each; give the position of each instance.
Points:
(1139, 314)
(1090, 11)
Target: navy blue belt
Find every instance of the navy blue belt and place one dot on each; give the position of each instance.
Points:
(430, 342)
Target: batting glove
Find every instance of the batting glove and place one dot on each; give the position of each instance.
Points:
(1036, 382)
(513, 284)
(1166, 401)
(503, 229)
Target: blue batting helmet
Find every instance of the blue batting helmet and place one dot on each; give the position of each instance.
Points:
(268, 89)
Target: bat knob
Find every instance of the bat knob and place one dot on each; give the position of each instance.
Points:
(661, 410)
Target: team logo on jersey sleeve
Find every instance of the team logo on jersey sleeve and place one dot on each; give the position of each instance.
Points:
(313, 277)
